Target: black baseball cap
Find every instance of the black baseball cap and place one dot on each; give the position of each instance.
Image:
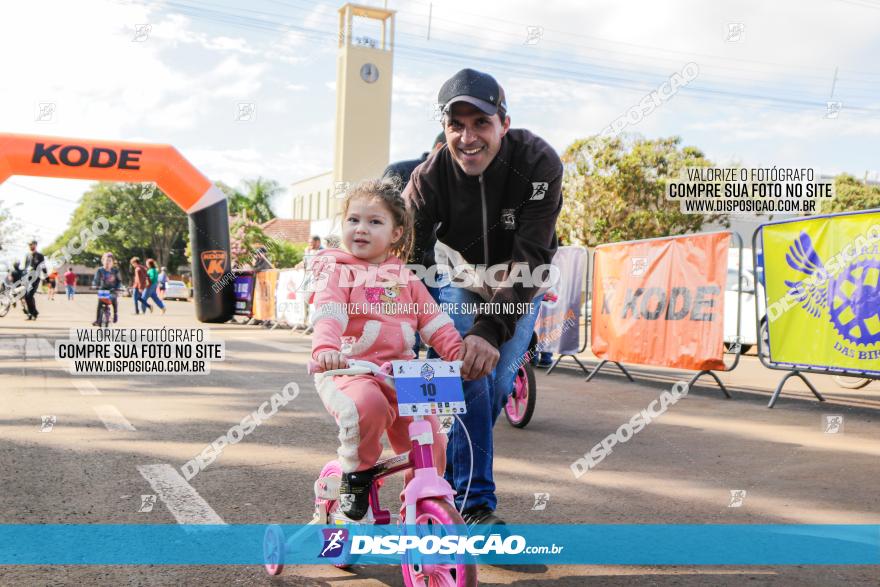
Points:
(476, 88)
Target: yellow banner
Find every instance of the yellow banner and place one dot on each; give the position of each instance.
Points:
(823, 291)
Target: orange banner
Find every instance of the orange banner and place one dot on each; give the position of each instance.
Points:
(661, 301)
(264, 294)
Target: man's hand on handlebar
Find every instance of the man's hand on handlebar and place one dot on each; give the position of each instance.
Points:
(329, 360)
(478, 357)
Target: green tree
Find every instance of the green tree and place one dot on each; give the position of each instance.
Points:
(615, 190)
(256, 202)
(850, 194)
(246, 236)
(143, 222)
(8, 226)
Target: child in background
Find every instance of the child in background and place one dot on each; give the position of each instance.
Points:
(377, 231)
(51, 284)
(107, 277)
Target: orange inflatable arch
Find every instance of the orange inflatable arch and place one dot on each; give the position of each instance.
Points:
(44, 156)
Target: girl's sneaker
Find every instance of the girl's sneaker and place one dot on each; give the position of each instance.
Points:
(354, 494)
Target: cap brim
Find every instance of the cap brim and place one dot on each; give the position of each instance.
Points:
(484, 106)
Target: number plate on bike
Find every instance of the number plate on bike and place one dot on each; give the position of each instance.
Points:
(426, 388)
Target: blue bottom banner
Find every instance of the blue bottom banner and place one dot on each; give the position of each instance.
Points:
(606, 544)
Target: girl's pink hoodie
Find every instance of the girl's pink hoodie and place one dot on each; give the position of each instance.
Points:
(378, 307)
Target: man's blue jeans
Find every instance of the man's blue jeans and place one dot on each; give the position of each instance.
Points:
(484, 400)
(139, 304)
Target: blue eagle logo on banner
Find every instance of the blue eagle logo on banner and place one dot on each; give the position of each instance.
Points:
(851, 298)
(427, 372)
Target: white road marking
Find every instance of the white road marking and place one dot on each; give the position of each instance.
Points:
(113, 418)
(184, 502)
(12, 347)
(86, 387)
(36, 348)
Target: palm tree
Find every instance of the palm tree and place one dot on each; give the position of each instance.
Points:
(255, 205)
(260, 193)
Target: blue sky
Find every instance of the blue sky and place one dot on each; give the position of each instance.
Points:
(759, 99)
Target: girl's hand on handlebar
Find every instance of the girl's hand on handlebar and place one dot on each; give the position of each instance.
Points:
(330, 360)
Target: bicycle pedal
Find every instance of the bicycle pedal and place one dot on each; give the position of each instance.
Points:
(327, 487)
(337, 518)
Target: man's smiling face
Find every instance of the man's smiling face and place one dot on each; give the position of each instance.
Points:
(474, 137)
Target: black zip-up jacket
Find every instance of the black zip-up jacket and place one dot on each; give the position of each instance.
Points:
(506, 215)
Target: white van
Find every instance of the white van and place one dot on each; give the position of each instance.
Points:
(752, 293)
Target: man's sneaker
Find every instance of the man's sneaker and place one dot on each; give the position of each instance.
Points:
(481, 514)
(354, 494)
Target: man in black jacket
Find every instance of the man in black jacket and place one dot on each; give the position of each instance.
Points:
(491, 196)
(35, 268)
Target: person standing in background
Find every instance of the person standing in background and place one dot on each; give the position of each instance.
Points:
(150, 293)
(139, 284)
(163, 281)
(312, 250)
(403, 169)
(51, 283)
(35, 271)
(308, 256)
(70, 283)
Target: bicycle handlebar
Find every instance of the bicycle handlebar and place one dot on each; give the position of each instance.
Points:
(355, 367)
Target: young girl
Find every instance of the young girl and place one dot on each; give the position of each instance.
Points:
(377, 231)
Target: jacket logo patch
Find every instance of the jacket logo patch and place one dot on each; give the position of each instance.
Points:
(539, 190)
(508, 217)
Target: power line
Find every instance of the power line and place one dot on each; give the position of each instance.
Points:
(415, 52)
(24, 187)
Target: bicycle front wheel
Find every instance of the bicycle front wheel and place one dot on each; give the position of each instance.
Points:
(442, 517)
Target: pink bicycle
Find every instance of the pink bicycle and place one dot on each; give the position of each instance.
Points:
(427, 499)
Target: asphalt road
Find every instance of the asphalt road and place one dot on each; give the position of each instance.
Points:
(93, 463)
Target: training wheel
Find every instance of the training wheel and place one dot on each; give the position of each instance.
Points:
(273, 549)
